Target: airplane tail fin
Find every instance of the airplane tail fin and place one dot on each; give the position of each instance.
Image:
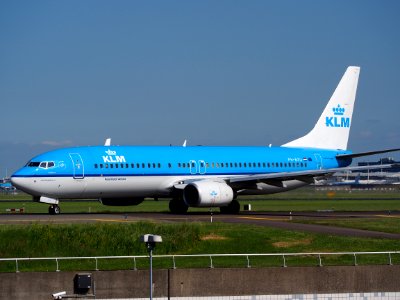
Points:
(333, 127)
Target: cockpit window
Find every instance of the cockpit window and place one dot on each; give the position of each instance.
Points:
(43, 164)
(46, 164)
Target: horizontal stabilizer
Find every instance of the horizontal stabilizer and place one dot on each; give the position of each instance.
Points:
(360, 154)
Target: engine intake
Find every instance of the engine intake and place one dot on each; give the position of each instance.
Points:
(207, 194)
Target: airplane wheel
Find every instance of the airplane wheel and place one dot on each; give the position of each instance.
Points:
(178, 206)
(232, 208)
(54, 209)
(57, 210)
(224, 210)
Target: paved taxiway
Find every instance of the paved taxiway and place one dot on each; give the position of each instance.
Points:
(277, 220)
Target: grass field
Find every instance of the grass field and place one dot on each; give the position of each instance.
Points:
(306, 199)
(185, 238)
(100, 239)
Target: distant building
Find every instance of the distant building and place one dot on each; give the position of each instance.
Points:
(382, 161)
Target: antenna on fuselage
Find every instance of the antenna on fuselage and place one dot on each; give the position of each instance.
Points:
(184, 144)
(107, 142)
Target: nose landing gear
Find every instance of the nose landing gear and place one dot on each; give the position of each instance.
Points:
(54, 209)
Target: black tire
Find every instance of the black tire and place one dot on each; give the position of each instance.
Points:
(178, 206)
(54, 209)
(232, 208)
(57, 210)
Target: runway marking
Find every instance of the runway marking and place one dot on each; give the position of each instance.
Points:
(114, 220)
(386, 216)
(268, 219)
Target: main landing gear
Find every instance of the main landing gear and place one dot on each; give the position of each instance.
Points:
(231, 208)
(54, 209)
(178, 206)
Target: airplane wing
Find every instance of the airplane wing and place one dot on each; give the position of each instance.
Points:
(277, 178)
(306, 176)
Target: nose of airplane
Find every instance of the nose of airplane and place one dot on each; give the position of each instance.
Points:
(16, 182)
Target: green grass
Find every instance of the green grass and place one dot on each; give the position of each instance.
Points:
(100, 239)
(52, 240)
(384, 224)
(305, 199)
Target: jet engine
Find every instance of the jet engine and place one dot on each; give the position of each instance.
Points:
(207, 194)
(121, 201)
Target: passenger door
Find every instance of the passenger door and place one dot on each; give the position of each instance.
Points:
(79, 168)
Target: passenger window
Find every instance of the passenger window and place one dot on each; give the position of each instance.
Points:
(159, 165)
(184, 165)
(106, 166)
(235, 165)
(95, 166)
(240, 165)
(116, 166)
(101, 166)
(245, 165)
(143, 165)
(169, 165)
(132, 166)
(222, 165)
(111, 166)
(149, 165)
(285, 165)
(179, 165)
(138, 166)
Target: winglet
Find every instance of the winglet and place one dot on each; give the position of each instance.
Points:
(333, 127)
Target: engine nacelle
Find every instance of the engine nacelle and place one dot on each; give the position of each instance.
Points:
(207, 194)
(121, 201)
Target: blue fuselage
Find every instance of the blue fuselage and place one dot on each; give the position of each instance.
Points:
(150, 171)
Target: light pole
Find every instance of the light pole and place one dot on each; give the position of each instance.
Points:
(150, 240)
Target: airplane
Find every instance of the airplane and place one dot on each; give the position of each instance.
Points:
(197, 176)
(6, 186)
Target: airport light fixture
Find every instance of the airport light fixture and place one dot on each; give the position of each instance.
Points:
(151, 240)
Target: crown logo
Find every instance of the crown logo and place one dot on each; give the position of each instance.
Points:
(110, 152)
(338, 111)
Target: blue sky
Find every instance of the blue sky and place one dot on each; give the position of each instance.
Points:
(213, 72)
